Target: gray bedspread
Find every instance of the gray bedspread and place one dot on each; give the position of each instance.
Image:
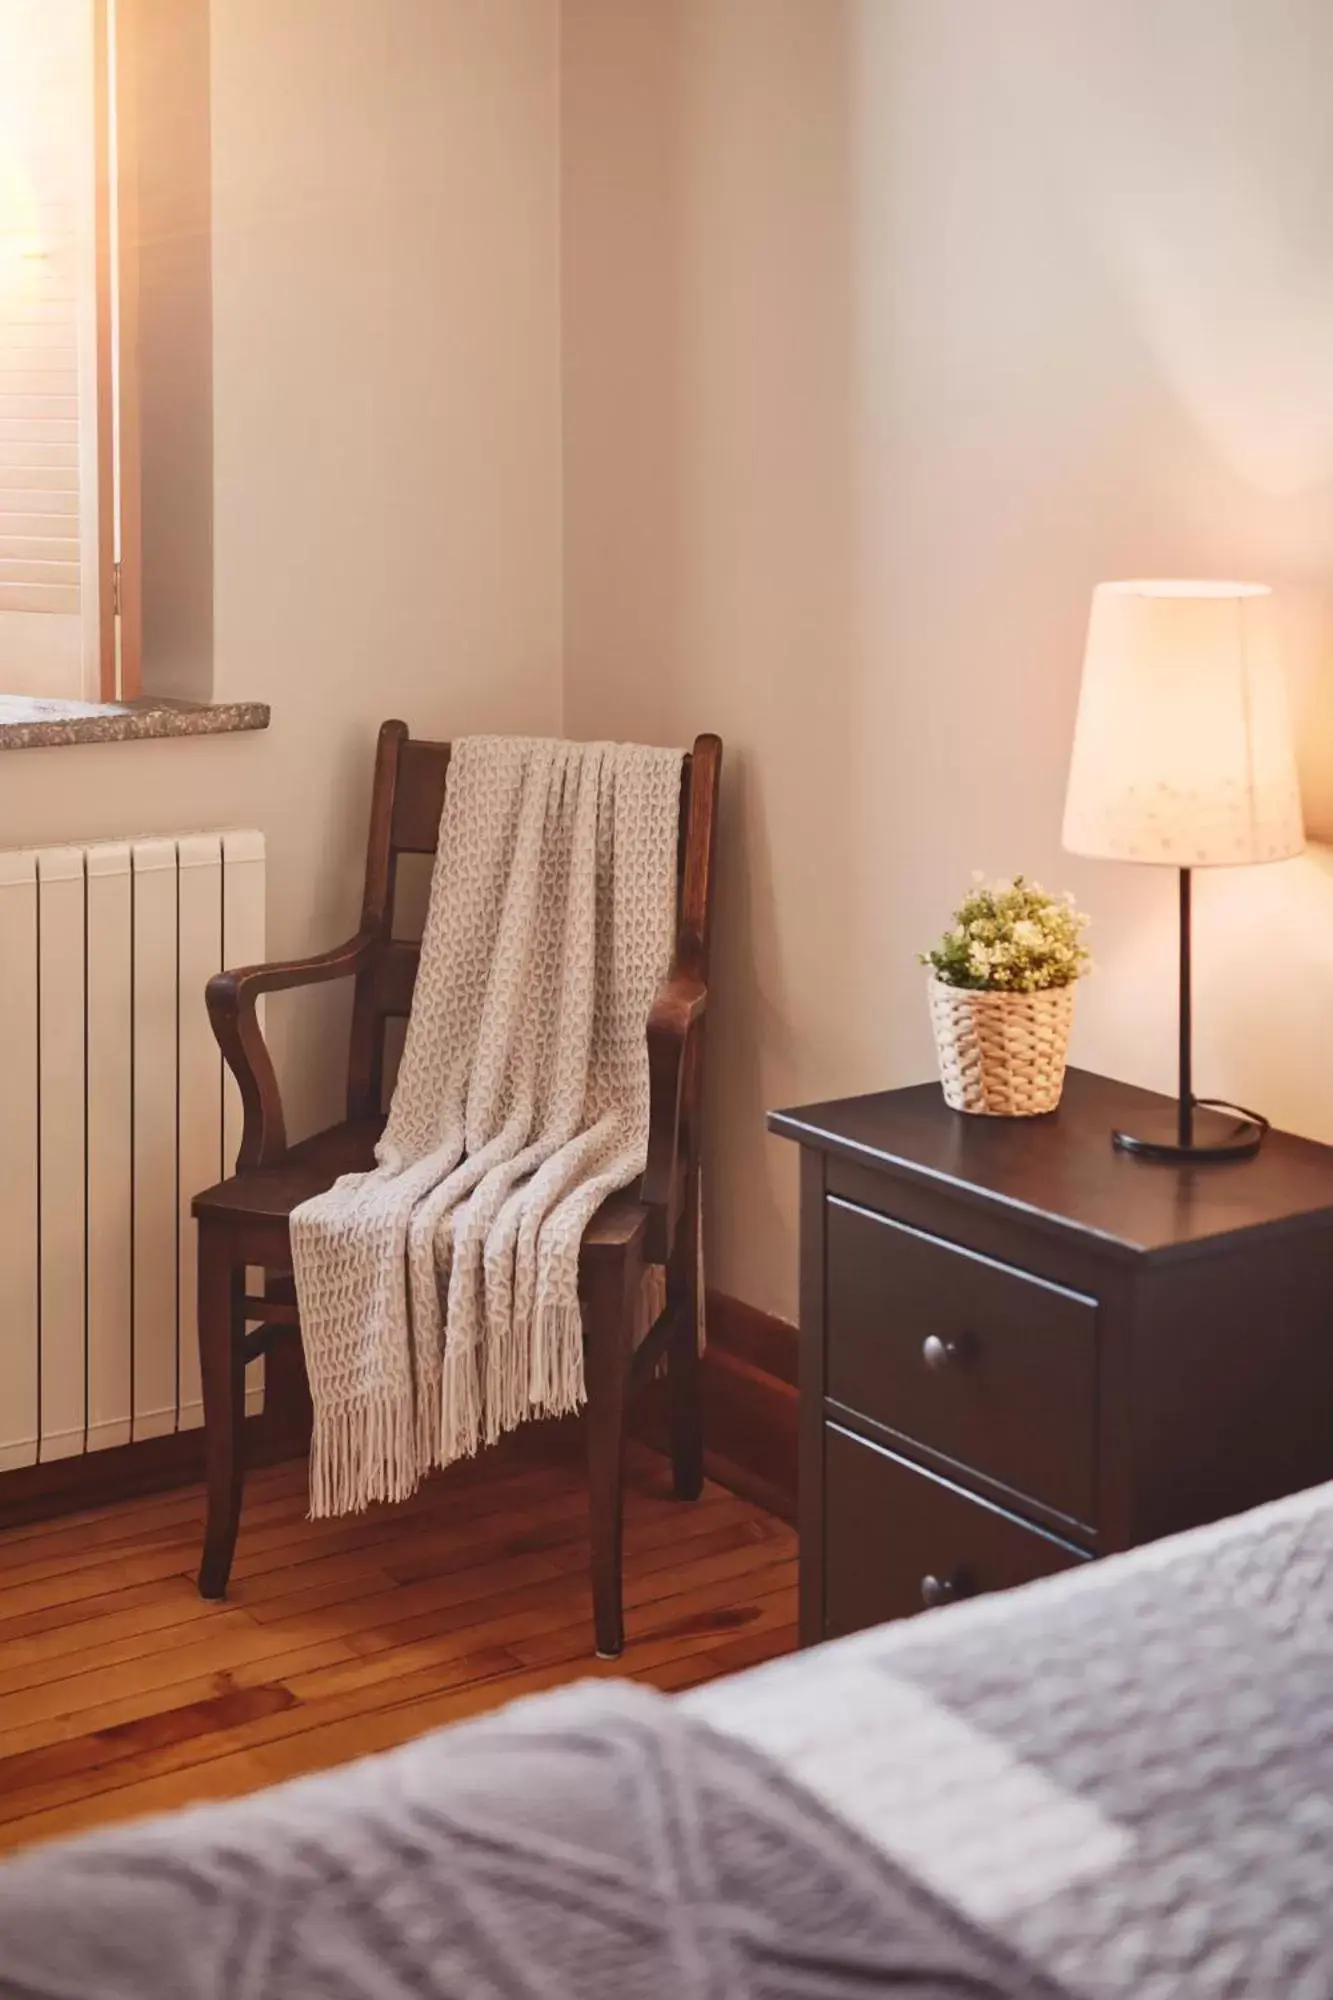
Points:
(591, 1845)
(1125, 1772)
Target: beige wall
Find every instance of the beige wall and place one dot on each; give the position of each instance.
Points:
(890, 327)
(387, 440)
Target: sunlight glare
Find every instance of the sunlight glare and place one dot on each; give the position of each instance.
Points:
(44, 54)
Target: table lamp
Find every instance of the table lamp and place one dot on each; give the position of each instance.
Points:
(1183, 758)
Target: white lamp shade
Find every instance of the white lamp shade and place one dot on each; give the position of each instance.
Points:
(1183, 751)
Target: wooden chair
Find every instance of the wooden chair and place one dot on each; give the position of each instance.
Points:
(244, 1221)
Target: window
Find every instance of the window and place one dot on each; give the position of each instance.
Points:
(68, 464)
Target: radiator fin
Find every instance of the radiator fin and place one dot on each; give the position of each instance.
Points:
(110, 978)
(62, 1150)
(19, 1358)
(155, 1206)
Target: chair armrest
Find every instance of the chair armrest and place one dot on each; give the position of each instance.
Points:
(674, 1027)
(231, 998)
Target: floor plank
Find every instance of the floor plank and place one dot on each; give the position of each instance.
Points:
(122, 1692)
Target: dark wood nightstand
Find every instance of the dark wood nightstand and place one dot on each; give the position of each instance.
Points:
(1021, 1349)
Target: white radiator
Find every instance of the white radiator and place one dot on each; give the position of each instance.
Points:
(116, 1110)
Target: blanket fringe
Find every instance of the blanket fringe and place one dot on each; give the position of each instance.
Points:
(555, 1384)
(506, 1390)
(361, 1453)
(429, 1420)
(459, 1403)
(381, 1451)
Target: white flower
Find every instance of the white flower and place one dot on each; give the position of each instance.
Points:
(1011, 936)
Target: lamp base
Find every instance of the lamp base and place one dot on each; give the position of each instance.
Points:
(1217, 1136)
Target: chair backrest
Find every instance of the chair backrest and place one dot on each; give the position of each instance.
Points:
(405, 809)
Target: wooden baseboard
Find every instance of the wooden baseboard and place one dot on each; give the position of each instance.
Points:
(746, 1334)
(96, 1478)
(750, 1405)
(155, 1465)
(750, 1402)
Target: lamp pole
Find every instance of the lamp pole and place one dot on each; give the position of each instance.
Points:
(1207, 1131)
(1185, 1106)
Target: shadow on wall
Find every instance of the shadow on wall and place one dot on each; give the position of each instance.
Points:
(1229, 275)
(891, 328)
(711, 514)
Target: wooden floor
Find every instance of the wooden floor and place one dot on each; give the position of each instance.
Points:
(122, 1693)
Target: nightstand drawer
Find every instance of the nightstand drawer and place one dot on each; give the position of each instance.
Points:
(897, 1540)
(993, 1368)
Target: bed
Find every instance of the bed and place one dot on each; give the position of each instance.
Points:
(1117, 1782)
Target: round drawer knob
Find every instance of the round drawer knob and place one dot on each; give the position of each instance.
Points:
(938, 1354)
(936, 1591)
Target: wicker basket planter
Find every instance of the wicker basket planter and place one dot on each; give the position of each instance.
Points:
(1002, 1055)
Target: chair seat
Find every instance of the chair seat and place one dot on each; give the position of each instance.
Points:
(269, 1194)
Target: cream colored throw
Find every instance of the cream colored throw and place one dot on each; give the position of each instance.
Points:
(439, 1292)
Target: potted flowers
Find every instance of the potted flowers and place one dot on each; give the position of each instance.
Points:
(1001, 993)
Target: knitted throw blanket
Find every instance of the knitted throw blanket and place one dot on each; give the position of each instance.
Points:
(439, 1292)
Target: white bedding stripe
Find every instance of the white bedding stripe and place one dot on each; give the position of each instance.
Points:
(848, 1749)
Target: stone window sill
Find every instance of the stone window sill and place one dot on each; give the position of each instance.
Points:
(29, 723)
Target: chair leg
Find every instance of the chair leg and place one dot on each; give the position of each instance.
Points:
(222, 1368)
(609, 1332)
(684, 1363)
